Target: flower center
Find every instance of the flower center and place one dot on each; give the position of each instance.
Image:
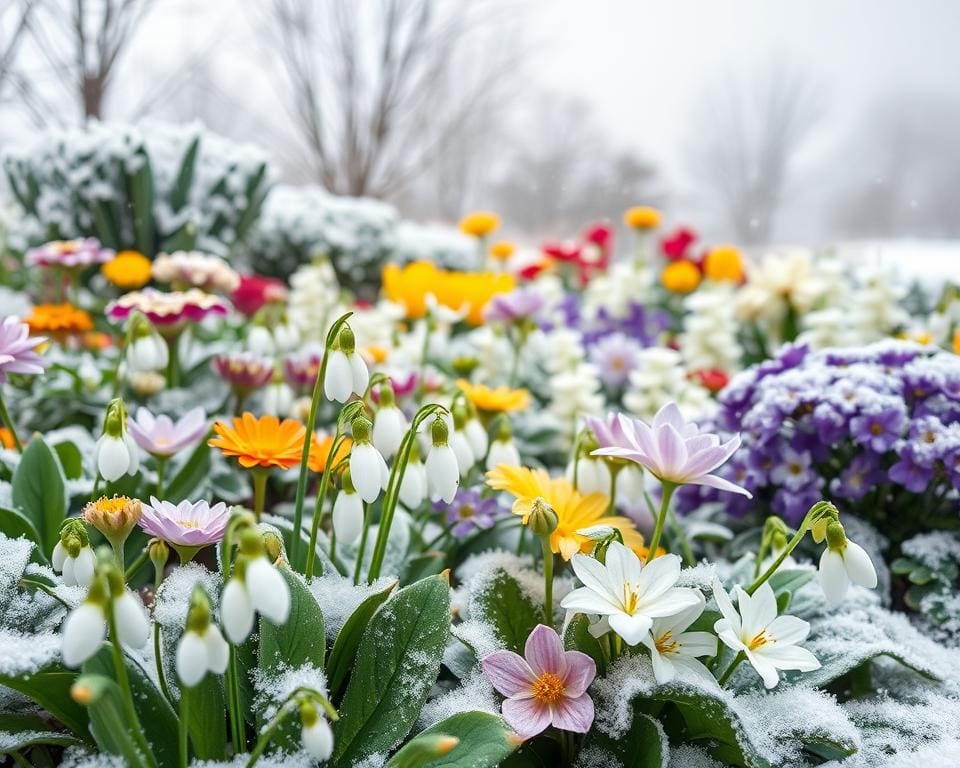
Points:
(876, 429)
(466, 511)
(666, 644)
(188, 523)
(548, 688)
(630, 598)
(758, 640)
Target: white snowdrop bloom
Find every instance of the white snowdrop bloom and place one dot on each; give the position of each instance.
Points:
(629, 594)
(318, 739)
(286, 337)
(89, 374)
(672, 648)
(463, 452)
(338, 381)
(630, 483)
(260, 589)
(503, 451)
(83, 631)
(133, 626)
(389, 426)
(442, 469)
(769, 642)
(413, 486)
(841, 563)
(359, 373)
(260, 341)
(236, 611)
(147, 353)
(77, 570)
(477, 436)
(117, 456)
(278, 398)
(199, 653)
(593, 475)
(368, 470)
(348, 515)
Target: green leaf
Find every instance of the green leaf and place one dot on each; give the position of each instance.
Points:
(348, 639)
(193, 472)
(108, 724)
(50, 688)
(104, 223)
(578, 638)
(23, 731)
(504, 605)
(255, 194)
(141, 201)
(181, 187)
(15, 524)
(70, 459)
(397, 664)
(484, 741)
(421, 566)
(39, 491)
(206, 722)
(301, 640)
(902, 565)
(790, 580)
(645, 745)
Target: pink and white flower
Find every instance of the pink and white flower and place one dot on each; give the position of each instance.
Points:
(191, 524)
(167, 310)
(17, 347)
(161, 436)
(546, 686)
(197, 270)
(69, 253)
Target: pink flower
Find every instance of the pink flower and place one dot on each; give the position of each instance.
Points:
(167, 309)
(519, 304)
(189, 524)
(301, 369)
(17, 349)
(244, 370)
(548, 687)
(69, 253)
(161, 436)
(672, 449)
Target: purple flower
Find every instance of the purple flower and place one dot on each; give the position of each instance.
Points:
(469, 511)
(17, 349)
(861, 476)
(793, 471)
(189, 524)
(546, 686)
(674, 450)
(615, 357)
(909, 473)
(518, 304)
(881, 427)
(69, 253)
(161, 436)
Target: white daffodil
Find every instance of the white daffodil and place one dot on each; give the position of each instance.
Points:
(368, 470)
(843, 562)
(255, 587)
(593, 475)
(77, 569)
(768, 641)
(673, 649)
(630, 595)
(348, 513)
(442, 469)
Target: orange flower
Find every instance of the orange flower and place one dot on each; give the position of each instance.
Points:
(502, 250)
(479, 223)
(642, 217)
(128, 270)
(320, 447)
(58, 320)
(956, 342)
(499, 400)
(724, 263)
(6, 438)
(97, 340)
(680, 276)
(264, 442)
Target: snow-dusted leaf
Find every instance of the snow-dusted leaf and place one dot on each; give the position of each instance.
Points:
(301, 639)
(207, 718)
(484, 742)
(21, 731)
(645, 745)
(108, 723)
(503, 603)
(39, 491)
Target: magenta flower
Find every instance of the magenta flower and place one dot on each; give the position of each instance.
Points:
(548, 687)
(167, 310)
(17, 349)
(163, 437)
(671, 448)
(301, 369)
(189, 525)
(69, 253)
(519, 304)
(245, 371)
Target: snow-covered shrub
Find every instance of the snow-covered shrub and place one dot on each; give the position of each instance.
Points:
(446, 247)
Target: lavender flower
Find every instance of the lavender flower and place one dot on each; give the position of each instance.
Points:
(515, 306)
(615, 356)
(469, 512)
(17, 347)
(163, 437)
(189, 524)
(69, 253)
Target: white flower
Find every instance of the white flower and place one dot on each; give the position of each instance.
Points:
(389, 426)
(368, 471)
(260, 341)
(503, 452)
(117, 456)
(413, 486)
(147, 353)
(278, 398)
(199, 653)
(133, 626)
(443, 473)
(77, 571)
(463, 452)
(318, 739)
(338, 381)
(839, 567)
(672, 647)
(286, 337)
(629, 594)
(261, 589)
(593, 475)
(477, 437)
(236, 611)
(348, 516)
(83, 631)
(768, 641)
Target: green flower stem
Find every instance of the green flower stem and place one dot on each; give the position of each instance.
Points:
(612, 509)
(161, 469)
(182, 741)
(668, 489)
(791, 545)
(137, 564)
(547, 580)
(233, 703)
(173, 363)
(318, 507)
(308, 439)
(259, 491)
(730, 670)
(159, 660)
(268, 732)
(361, 550)
(5, 417)
(118, 554)
(681, 536)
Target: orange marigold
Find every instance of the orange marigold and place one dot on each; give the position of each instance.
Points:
(128, 270)
(680, 276)
(320, 448)
(642, 217)
(58, 320)
(261, 442)
(479, 223)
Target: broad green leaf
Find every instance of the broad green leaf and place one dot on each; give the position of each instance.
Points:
(15, 524)
(397, 664)
(791, 580)
(23, 731)
(141, 202)
(108, 723)
(104, 223)
(484, 741)
(301, 640)
(190, 475)
(421, 566)
(39, 491)
(645, 745)
(70, 459)
(207, 718)
(504, 605)
(578, 638)
(50, 688)
(348, 639)
(181, 187)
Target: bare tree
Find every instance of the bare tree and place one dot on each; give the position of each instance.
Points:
(376, 89)
(17, 16)
(746, 138)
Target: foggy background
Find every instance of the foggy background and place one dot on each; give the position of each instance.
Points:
(750, 120)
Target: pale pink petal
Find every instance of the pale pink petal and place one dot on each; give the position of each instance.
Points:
(669, 414)
(509, 673)
(527, 717)
(544, 651)
(720, 484)
(573, 714)
(672, 453)
(581, 670)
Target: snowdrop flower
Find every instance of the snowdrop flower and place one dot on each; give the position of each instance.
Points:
(502, 449)
(546, 686)
(117, 453)
(672, 648)
(147, 351)
(202, 648)
(278, 397)
(843, 562)
(593, 475)
(260, 341)
(368, 470)
(443, 473)
(348, 511)
(476, 436)
(316, 734)
(463, 452)
(413, 486)
(767, 641)
(631, 596)
(389, 425)
(255, 587)
(346, 371)
(73, 556)
(673, 450)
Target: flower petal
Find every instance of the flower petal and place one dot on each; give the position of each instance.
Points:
(833, 576)
(859, 566)
(581, 670)
(508, 672)
(544, 651)
(573, 714)
(788, 630)
(631, 628)
(527, 717)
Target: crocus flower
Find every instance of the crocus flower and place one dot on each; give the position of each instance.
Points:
(163, 437)
(69, 253)
(192, 524)
(469, 511)
(673, 449)
(546, 686)
(519, 304)
(672, 648)
(244, 371)
(17, 347)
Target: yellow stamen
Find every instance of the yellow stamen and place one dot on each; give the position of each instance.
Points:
(758, 640)
(548, 688)
(630, 599)
(665, 644)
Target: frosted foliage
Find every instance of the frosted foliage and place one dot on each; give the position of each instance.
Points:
(274, 687)
(376, 760)
(444, 246)
(933, 549)
(76, 757)
(26, 610)
(173, 597)
(338, 598)
(475, 694)
(300, 759)
(478, 572)
(480, 636)
(689, 756)
(22, 654)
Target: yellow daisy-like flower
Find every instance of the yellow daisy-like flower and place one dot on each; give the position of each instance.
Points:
(724, 263)
(264, 442)
(680, 276)
(502, 250)
(498, 400)
(479, 223)
(128, 270)
(58, 320)
(641, 217)
(575, 512)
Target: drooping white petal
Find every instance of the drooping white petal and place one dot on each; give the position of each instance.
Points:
(191, 659)
(463, 452)
(83, 631)
(218, 652)
(268, 590)
(477, 437)
(236, 612)
(113, 458)
(833, 576)
(443, 474)
(133, 453)
(58, 557)
(347, 516)
(338, 382)
(388, 428)
(359, 375)
(503, 452)
(413, 486)
(133, 627)
(365, 471)
(68, 576)
(318, 739)
(83, 566)
(859, 566)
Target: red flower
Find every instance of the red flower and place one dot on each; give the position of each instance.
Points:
(675, 245)
(712, 378)
(256, 290)
(567, 251)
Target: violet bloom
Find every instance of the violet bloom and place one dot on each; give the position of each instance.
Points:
(187, 526)
(162, 437)
(909, 473)
(69, 253)
(548, 687)
(301, 369)
(469, 511)
(244, 371)
(519, 304)
(17, 347)
(615, 356)
(858, 478)
(794, 470)
(674, 450)
(880, 429)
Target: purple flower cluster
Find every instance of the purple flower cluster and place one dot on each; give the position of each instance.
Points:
(871, 427)
(468, 512)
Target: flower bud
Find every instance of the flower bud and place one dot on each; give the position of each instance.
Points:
(542, 519)
(159, 553)
(114, 517)
(439, 432)
(836, 536)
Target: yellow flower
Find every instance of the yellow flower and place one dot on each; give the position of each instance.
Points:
(956, 342)
(499, 400)
(641, 217)
(58, 320)
(128, 270)
(502, 250)
(680, 276)
(575, 512)
(479, 223)
(724, 263)
(114, 517)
